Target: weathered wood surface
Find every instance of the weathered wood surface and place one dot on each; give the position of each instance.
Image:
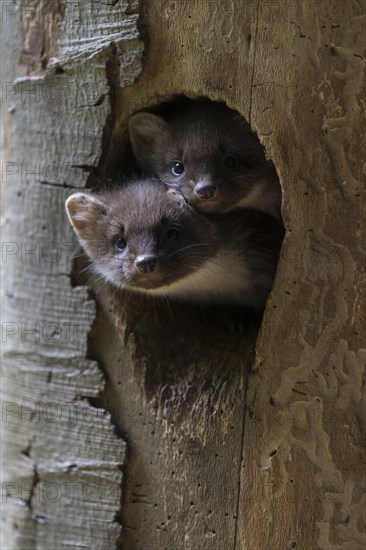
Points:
(207, 466)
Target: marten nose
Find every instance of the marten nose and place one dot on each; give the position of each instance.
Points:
(205, 190)
(146, 264)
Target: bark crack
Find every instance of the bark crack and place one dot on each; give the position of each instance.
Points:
(34, 480)
(245, 388)
(254, 62)
(246, 380)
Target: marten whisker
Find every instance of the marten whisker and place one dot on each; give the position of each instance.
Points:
(186, 248)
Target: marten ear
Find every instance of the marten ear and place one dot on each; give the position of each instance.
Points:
(85, 212)
(149, 135)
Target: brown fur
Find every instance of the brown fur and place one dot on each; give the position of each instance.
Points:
(201, 135)
(227, 258)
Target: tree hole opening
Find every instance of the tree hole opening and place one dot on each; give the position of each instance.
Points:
(174, 337)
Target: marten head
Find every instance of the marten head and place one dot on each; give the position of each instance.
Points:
(209, 153)
(143, 235)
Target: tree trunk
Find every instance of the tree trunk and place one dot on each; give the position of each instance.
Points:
(225, 438)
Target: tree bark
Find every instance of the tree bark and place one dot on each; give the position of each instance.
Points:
(61, 458)
(235, 438)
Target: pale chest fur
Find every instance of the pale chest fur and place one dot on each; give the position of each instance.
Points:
(224, 278)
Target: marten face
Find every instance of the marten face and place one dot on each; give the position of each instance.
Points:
(143, 236)
(210, 155)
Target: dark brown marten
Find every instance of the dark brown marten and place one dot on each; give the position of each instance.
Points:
(144, 236)
(210, 154)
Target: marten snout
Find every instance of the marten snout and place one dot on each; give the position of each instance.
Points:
(205, 190)
(146, 264)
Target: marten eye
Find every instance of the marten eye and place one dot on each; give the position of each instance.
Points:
(173, 233)
(120, 243)
(178, 168)
(230, 162)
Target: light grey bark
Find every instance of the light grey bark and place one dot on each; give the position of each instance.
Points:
(61, 458)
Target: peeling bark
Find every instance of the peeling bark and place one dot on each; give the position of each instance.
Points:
(62, 459)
